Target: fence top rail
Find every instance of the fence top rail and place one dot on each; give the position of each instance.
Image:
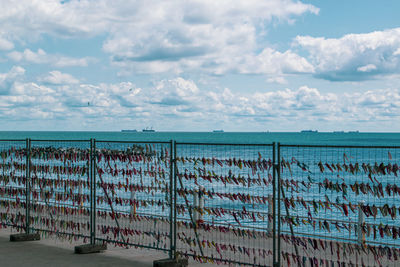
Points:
(223, 144)
(60, 140)
(12, 140)
(337, 146)
(133, 141)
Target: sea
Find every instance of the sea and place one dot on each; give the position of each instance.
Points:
(319, 138)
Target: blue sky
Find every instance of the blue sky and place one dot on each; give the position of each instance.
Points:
(240, 65)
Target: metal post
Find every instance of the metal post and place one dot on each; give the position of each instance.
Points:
(175, 194)
(92, 247)
(28, 185)
(278, 169)
(91, 164)
(171, 203)
(94, 167)
(274, 205)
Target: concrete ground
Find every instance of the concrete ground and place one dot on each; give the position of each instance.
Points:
(53, 252)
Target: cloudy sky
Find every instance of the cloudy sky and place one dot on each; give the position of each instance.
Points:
(198, 65)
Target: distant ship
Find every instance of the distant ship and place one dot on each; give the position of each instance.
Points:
(148, 130)
(354, 131)
(218, 131)
(129, 131)
(309, 131)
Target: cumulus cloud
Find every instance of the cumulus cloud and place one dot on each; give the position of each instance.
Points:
(57, 77)
(8, 79)
(354, 57)
(6, 44)
(277, 79)
(159, 36)
(41, 57)
(180, 104)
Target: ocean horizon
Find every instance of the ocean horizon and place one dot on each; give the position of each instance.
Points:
(320, 138)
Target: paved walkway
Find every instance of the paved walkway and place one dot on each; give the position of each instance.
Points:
(52, 252)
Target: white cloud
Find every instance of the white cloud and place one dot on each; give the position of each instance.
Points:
(159, 36)
(354, 56)
(56, 77)
(270, 61)
(367, 68)
(5, 44)
(277, 79)
(179, 104)
(8, 79)
(41, 57)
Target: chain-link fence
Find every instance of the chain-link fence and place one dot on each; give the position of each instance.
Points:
(133, 193)
(13, 173)
(340, 205)
(247, 204)
(60, 188)
(224, 193)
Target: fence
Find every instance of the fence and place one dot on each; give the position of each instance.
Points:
(222, 202)
(249, 204)
(342, 202)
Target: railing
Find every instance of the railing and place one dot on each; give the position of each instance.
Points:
(249, 204)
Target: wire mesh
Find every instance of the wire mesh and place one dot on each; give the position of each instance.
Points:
(337, 205)
(133, 202)
(13, 184)
(223, 205)
(60, 188)
(342, 204)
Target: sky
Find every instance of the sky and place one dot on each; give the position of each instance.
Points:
(199, 65)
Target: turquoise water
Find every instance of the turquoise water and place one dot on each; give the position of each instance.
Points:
(227, 137)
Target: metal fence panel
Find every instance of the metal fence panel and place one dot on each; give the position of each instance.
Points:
(224, 200)
(339, 205)
(133, 193)
(60, 188)
(335, 205)
(13, 184)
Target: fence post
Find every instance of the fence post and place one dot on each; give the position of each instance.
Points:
(274, 204)
(27, 236)
(278, 170)
(174, 259)
(28, 186)
(92, 194)
(172, 231)
(175, 193)
(92, 247)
